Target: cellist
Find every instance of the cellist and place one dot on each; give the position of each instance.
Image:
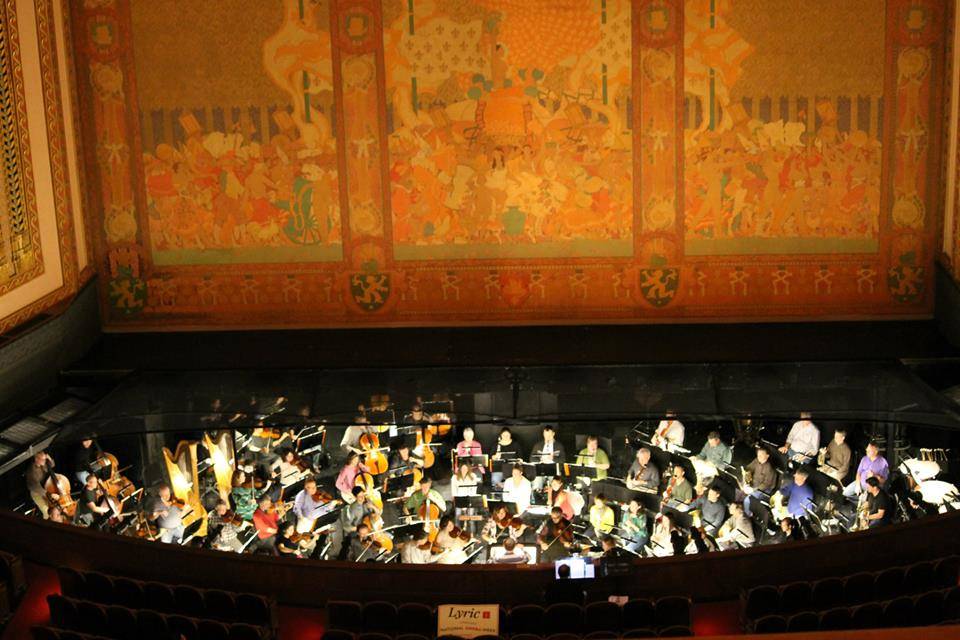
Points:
(425, 493)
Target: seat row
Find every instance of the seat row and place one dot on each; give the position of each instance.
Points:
(13, 584)
(632, 634)
(385, 617)
(856, 589)
(121, 623)
(52, 633)
(931, 608)
(211, 604)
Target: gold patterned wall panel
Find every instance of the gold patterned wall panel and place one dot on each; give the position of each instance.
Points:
(409, 162)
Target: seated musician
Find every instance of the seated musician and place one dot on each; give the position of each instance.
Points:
(221, 533)
(514, 553)
(85, 456)
(401, 459)
(286, 468)
(558, 496)
(713, 510)
(90, 505)
(285, 541)
(803, 440)
(351, 517)
(798, 494)
(661, 541)
(417, 550)
(508, 451)
(836, 456)
(348, 476)
(55, 514)
(517, 489)
(762, 479)
(669, 433)
(309, 505)
(351, 435)
(243, 495)
(789, 531)
(39, 470)
(633, 526)
(464, 482)
(547, 451)
(361, 545)
(520, 531)
(679, 488)
(555, 537)
(643, 474)
(469, 447)
(266, 519)
(610, 549)
(872, 465)
(416, 417)
(880, 507)
(497, 526)
(602, 518)
(737, 531)
(168, 515)
(425, 493)
(715, 451)
(593, 456)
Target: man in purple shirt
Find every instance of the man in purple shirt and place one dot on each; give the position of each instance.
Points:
(872, 465)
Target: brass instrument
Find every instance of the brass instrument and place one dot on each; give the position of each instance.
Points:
(822, 457)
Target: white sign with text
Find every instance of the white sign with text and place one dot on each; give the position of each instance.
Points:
(468, 620)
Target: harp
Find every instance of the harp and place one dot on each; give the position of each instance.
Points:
(184, 483)
(220, 447)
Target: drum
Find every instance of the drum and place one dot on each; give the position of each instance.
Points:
(920, 470)
(938, 493)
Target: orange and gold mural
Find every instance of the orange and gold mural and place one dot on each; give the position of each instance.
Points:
(407, 162)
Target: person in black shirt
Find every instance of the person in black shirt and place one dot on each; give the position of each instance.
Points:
(286, 546)
(610, 548)
(563, 589)
(508, 451)
(90, 505)
(879, 505)
(83, 458)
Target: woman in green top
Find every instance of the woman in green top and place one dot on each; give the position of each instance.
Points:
(633, 526)
(593, 456)
(243, 495)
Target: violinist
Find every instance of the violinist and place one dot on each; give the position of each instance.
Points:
(286, 545)
(555, 537)
(348, 476)
(309, 505)
(450, 543)
(425, 493)
(266, 519)
(362, 545)
(83, 458)
(643, 474)
(243, 495)
(507, 453)
(496, 526)
(558, 496)
(679, 488)
(417, 550)
(167, 512)
(289, 469)
(37, 474)
(91, 505)
(222, 528)
(520, 531)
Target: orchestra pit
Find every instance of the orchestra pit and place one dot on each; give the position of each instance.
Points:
(496, 319)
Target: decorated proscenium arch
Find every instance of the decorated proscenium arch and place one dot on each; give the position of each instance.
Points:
(399, 162)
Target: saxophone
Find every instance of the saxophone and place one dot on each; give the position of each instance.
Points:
(822, 457)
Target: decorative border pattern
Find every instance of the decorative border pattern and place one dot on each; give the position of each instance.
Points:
(895, 282)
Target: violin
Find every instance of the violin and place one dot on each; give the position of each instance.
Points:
(374, 459)
(279, 507)
(231, 517)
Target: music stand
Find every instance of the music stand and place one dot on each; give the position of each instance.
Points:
(579, 471)
(548, 470)
(677, 517)
(473, 461)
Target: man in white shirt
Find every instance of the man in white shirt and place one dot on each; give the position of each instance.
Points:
(669, 434)
(803, 441)
(412, 553)
(517, 489)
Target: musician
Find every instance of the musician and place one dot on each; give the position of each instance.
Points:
(496, 526)
(633, 526)
(836, 457)
(401, 459)
(737, 531)
(555, 537)
(416, 417)
(508, 451)
(351, 517)
(872, 465)
(602, 518)
(610, 549)
(417, 550)
(221, 533)
(90, 505)
(514, 553)
(789, 531)
(285, 544)
(286, 468)
(464, 482)
(361, 547)
(548, 450)
(763, 478)
(715, 451)
(679, 488)
(425, 493)
(83, 458)
(469, 447)
(879, 505)
(351, 435)
(309, 505)
(798, 494)
(669, 433)
(713, 510)
(348, 475)
(36, 475)
(593, 456)
(266, 519)
(168, 515)
(517, 489)
(643, 474)
(244, 495)
(558, 496)
(520, 531)
(803, 440)
(661, 542)
(55, 514)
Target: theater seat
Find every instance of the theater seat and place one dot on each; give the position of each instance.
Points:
(889, 583)
(795, 597)
(602, 635)
(563, 618)
(212, 630)
(836, 619)
(948, 571)
(243, 631)
(99, 587)
(564, 636)
(867, 616)
(898, 612)
(416, 618)
(253, 609)
(374, 635)
(858, 588)
(805, 621)
(336, 634)
(919, 578)
(122, 622)
(128, 593)
(63, 612)
(672, 611)
(44, 633)
(601, 616)
(219, 604)
(92, 618)
(770, 624)
(345, 614)
(676, 631)
(420, 636)
(526, 618)
(928, 608)
(152, 625)
(158, 596)
(637, 614)
(761, 601)
(523, 636)
(638, 633)
(188, 601)
(380, 616)
(182, 625)
(826, 594)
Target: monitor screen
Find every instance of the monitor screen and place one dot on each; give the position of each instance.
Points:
(580, 568)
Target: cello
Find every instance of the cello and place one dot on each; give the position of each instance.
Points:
(57, 487)
(366, 482)
(374, 459)
(422, 449)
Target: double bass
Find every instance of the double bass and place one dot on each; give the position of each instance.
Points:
(374, 459)
(57, 487)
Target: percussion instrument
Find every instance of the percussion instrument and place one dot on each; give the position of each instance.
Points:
(920, 470)
(940, 493)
